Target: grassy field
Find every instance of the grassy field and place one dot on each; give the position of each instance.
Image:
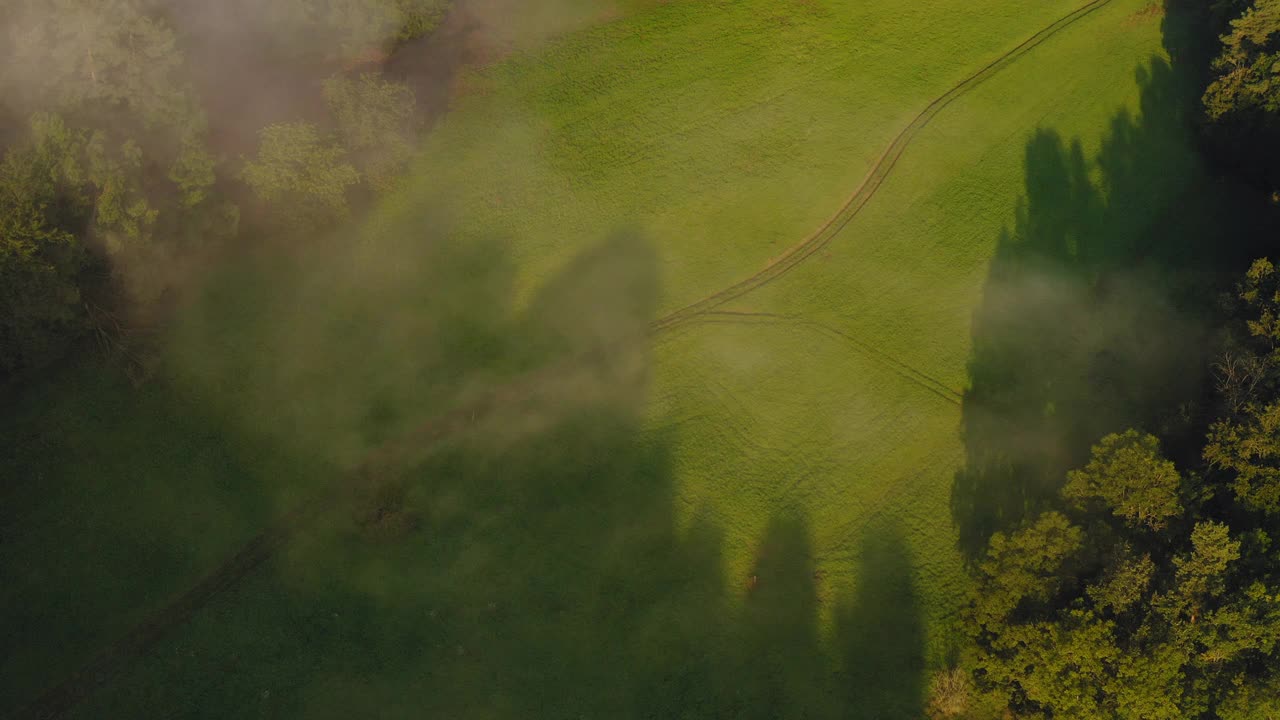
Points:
(764, 512)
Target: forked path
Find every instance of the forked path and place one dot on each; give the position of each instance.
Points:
(875, 177)
(112, 661)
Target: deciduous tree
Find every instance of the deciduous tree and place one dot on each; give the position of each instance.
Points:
(41, 258)
(375, 121)
(1128, 477)
(300, 175)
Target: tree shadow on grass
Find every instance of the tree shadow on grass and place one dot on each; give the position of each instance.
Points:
(114, 499)
(529, 563)
(547, 577)
(1094, 314)
(880, 631)
(782, 669)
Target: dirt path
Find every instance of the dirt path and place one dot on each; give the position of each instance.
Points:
(113, 661)
(879, 172)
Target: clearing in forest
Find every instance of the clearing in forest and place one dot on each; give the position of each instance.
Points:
(764, 508)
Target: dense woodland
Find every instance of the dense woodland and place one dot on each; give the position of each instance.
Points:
(127, 163)
(1148, 588)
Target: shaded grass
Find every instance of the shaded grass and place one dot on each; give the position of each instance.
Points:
(114, 499)
(544, 572)
(776, 415)
(632, 616)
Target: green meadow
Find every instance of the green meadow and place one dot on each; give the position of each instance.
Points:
(763, 511)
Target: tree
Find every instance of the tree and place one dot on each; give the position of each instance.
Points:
(1260, 292)
(193, 170)
(1248, 449)
(1128, 477)
(113, 70)
(302, 177)
(1027, 566)
(419, 17)
(87, 57)
(375, 121)
(1248, 701)
(1243, 100)
(123, 216)
(1071, 621)
(1201, 574)
(1245, 445)
(362, 25)
(1124, 583)
(40, 258)
(1245, 71)
(323, 31)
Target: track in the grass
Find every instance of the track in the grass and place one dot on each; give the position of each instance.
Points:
(59, 700)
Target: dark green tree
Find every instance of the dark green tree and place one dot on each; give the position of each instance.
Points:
(1247, 448)
(41, 259)
(1242, 101)
(1244, 446)
(113, 71)
(95, 56)
(1260, 292)
(1128, 477)
(1245, 71)
(1071, 620)
(346, 31)
(376, 123)
(298, 174)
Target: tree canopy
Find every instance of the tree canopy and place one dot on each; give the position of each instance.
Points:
(1246, 70)
(117, 161)
(1128, 477)
(376, 123)
(1152, 592)
(41, 258)
(302, 175)
(1242, 101)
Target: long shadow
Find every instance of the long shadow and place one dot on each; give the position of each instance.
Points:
(532, 564)
(781, 669)
(529, 565)
(545, 576)
(880, 631)
(1095, 313)
(325, 358)
(112, 500)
